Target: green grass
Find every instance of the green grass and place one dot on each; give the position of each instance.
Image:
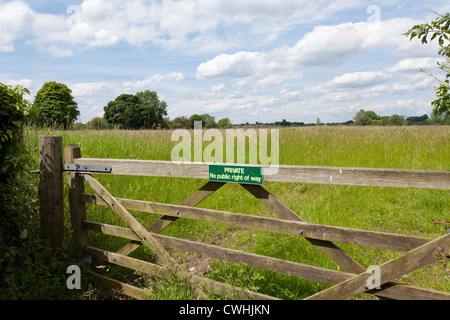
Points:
(397, 210)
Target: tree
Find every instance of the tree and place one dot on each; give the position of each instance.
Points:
(55, 105)
(97, 123)
(207, 120)
(181, 123)
(437, 29)
(443, 119)
(397, 120)
(367, 118)
(224, 123)
(155, 110)
(143, 110)
(422, 120)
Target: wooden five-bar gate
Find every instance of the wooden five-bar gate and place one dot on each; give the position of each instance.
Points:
(353, 280)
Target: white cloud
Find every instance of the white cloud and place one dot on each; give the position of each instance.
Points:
(26, 83)
(90, 88)
(324, 46)
(189, 25)
(414, 64)
(153, 81)
(16, 18)
(241, 64)
(358, 79)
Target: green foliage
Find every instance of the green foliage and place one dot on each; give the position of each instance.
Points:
(181, 123)
(98, 123)
(19, 218)
(443, 119)
(207, 120)
(12, 156)
(55, 105)
(437, 29)
(224, 123)
(143, 110)
(365, 118)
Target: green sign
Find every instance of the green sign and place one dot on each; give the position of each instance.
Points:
(238, 174)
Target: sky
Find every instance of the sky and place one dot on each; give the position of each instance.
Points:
(246, 60)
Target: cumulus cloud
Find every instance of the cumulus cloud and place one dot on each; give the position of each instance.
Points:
(324, 46)
(190, 25)
(414, 64)
(16, 19)
(358, 79)
(153, 81)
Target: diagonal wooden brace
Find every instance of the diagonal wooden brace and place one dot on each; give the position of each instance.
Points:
(134, 225)
(388, 271)
(194, 199)
(390, 290)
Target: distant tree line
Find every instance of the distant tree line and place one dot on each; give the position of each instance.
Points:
(55, 106)
(367, 118)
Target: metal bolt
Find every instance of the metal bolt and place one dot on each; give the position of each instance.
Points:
(440, 249)
(301, 232)
(178, 213)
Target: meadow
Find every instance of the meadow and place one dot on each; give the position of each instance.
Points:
(396, 210)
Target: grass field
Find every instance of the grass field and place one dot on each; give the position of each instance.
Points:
(396, 210)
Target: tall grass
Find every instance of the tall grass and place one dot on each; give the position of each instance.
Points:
(398, 210)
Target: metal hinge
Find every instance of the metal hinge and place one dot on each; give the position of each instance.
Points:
(87, 168)
(96, 168)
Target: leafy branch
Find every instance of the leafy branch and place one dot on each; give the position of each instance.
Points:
(437, 29)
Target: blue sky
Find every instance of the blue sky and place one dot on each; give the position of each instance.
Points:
(252, 60)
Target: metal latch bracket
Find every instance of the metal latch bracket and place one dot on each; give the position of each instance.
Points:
(95, 168)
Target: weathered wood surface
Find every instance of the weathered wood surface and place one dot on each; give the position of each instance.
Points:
(381, 240)
(318, 274)
(124, 288)
(195, 198)
(51, 191)
(408, 262)
(75, 185)
(298, 270)
(331, 250)
(216, 287)
(134, 225)
(400, 178)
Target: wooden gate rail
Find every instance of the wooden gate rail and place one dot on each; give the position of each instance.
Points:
(398, 178)
(380, 240)
(419, 251)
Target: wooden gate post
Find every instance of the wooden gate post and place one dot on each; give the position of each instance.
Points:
(77, 208)
(51, 192)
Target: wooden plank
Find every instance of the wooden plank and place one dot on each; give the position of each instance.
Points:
(388, 290)
(328, 248)
(216, 287)
(195, 198)
(294, 269)
(140, 231)
(124, 288)
(408, 262)
(75, 185)
(51, 191)
(381, 240)
(400, 178)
